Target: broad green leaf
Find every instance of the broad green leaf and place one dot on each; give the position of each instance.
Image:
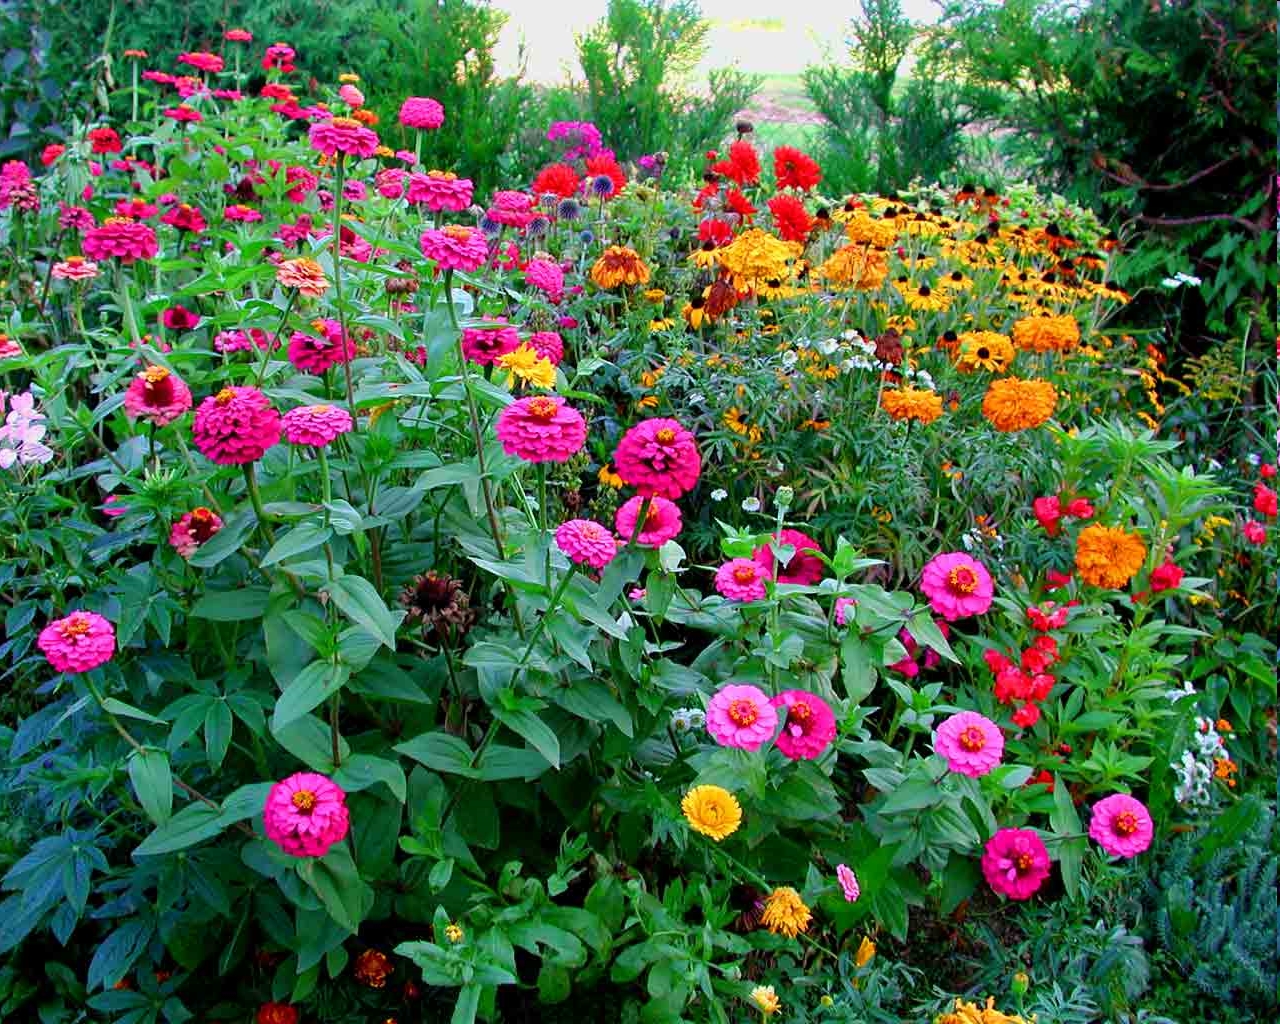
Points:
(310, 688)
(226, 542)
(357, 599)
(303, 537)
(534, 729)
(237, 605)
(152, 782)
(441, 752)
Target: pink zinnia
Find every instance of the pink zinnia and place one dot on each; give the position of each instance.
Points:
(311, 354)
(306, 814)
(514, 209)
(242, 214)
(848, 883)
(454, 247)
(803, 568)
(845, 608)
(586, 542)
(1255, 532)
(184, 217)
(315, 425)
(548, 345)
(236, 426)
(970, 743)
(957, 585)
(741, 579)
(741, 716)
(1121, 825)
(809, 726)
(193, 529)
(75, 268)
(351, 96)
(157, 396)
(9, 349)
(75, 218)
(179, 318)
(78, 643)
(209, 62)
(440, 191)
(238, 35)
(547, 276)
(483, 345)
(1015, 862)
(126, 240)
(659, 457)
(421, 112)
(541, 429)
(343, 135)
(390, 182)
(662, 522)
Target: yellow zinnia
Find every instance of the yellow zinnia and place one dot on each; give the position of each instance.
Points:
(755, 255)
(858, 265)
(1012, 404)
(1108, 557)
(972, 1013)
(785, 912)
(526, 364)
(712, 811)
(767, 999)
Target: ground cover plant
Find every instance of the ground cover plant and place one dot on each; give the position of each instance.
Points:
(600, 599)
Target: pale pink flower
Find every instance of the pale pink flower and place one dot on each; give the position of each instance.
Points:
(741, 716)
(848, 883)
(586, 542)
(970, 743)
(1121, 825)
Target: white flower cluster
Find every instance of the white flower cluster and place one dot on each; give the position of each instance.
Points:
(1194, 769)
(688, 719)
(1181, 278)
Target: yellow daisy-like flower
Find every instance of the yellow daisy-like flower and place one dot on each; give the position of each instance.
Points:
(755, 255)
(923, 298)
(619, 265)
(712, 811)
(766, 999)
(1012, 404)
(530, 368)
(608, 478)
(912, 404)
(1107, 556)
(453, 933)
(983, 350)
(866, 951)
(654, 294)
(972, 1013)
(349, 78)
(1046, 333)
(785, 912)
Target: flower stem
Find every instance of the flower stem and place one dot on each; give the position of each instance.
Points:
(266, 349)
(542, 621)
(338, 177)
(255, 498)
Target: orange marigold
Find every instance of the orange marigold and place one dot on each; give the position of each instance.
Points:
(785, 912)
(619, 265)
(1108, 557)
(859, 265)
(912, 404)
(1047, 333)
(1013, 404)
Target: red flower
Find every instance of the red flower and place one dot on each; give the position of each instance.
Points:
(104, 140)
(1267, 470)
(1079, 508)
(179, 318)
(717, 232)
(558, 179)
(1047, 616)
(185, 217)
(1055, 580)
(1048, 512)
(790, 220)
(1264, 500)
(793, 169)
(602, 164)
(1166, 576)
(51, 152)
(739, 204)
(743, 165)
(1043, 777)
(1026, 716)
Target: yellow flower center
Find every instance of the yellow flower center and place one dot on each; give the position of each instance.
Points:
(458, 232)
(800, 712)
(1126, 823)
(75, 627)
(742, 713)
(304, 800)
(1022, 861)
(542, 408)
(442, 175)
(665, 436)
(345, 122)
(962, 579)
(321, 409)
(226, 396)
(745, 574)
(973, 739)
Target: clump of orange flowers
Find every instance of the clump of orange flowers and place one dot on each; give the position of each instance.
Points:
(1012, 404)
(912, 404)
(1107, 556)
(1047, 333)
(619, 265)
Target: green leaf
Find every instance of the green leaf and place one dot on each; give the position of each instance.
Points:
(246, 802)
(152, 782)
(361, 771)
(501, 762)
(336, 881)
(857, 672)
(232, 605)
(193, 824)
(357, 599)
(310, 688)
(441, 752)
(124, 710)
(525, 723)
(926, 631)
(226, 542)
(303, 537)
(593, 700)
(468, 1004)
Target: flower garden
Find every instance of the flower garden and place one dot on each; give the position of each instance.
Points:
(607, 598)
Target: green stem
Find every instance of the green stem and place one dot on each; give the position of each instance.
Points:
(542, 622)
(326, 485)
(255, 498)
(266, 349)
(126, 306)
(338, 175)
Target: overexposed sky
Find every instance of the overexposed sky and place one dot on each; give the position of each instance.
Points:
(805, 33)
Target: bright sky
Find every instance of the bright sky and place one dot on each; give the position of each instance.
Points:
(792, 40)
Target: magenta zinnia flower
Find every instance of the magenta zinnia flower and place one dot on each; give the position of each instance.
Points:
(157, 396)
(421, 112)
(957, 585)
(483, 345)
(440, 191)
(586, 542)
(662, 522)
(846, 608)
(306, 814)
(809, 726)
(454, 247)
(970, 743)
(514, 209)
(1121, 825)
(79, 642)
(741, 716)
(548, 345)
(541, 429)
(848, 883)
(547, 276)
(315, 355)
(126, 240)
(658, 457)
(740, 579)
(344, 135)
(315, 425)
(179, 318)
(193, 529)
(235, 426)
(1015, 862)
(803, 568)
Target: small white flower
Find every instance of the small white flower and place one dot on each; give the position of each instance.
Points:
(828, 346)
(750, 504)
(697, 398)
(719, 494)
(1255, 459)
(789, 358)
(1171, 282)
(1190, 279)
